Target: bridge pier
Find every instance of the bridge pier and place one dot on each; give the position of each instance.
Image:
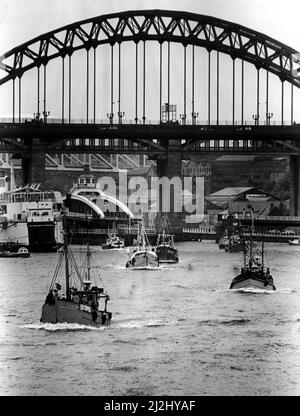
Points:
(169, 166)
(33, 164)
(295, 185)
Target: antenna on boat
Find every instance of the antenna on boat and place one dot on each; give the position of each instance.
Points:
(251, 236)
(88, 254)
(262, 248)
(66, 251)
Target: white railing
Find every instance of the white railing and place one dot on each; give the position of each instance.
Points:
(58, 120)
(199, 230)
(269, 217)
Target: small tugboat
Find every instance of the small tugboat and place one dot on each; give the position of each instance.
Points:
(142, 257)
(165, 250)
(113, 242)
(294, 242)
(253, 274)
(80, 304)
(22, 252)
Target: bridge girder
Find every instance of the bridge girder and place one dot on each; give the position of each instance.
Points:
(151, 140)
(155, 25)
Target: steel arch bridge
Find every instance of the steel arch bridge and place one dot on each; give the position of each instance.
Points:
(186, 29)
(160, 25)
(184, 43)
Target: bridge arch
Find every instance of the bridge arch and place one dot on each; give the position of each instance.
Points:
(160, 25)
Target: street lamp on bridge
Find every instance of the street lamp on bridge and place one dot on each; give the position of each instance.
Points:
(46, 114)
(268, 117)
(183, 118)
(255, 118)
(194, 117)
(37, 117)
(111, 118)
(120, 115)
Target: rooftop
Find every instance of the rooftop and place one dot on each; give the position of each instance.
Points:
(235, 158)
(232, 191)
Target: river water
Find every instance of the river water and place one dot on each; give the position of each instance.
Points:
(175, 331)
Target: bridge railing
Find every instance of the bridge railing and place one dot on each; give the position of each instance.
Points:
(104, 121)
(270, 217)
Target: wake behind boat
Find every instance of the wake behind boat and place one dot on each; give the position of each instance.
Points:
(253, 274)
(142, 256)
(165, 250)
(81, 304)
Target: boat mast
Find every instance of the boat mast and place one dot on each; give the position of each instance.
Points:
(143, 236)
(66, 251)
(262, 249)
(251, 237)
(88, 253)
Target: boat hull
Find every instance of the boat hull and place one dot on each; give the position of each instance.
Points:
(63, 311)
(234, 248)
(294, 242)
(143, 260)
(253, 280)
(14, 255)
(167, 254)
(113, 246)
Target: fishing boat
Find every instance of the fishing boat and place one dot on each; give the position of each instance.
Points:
(294, 242)
(83, 292)
(22, 253)
(253, 274)
(231, 240)
(165, 250)
(224, 242)
(113, 242)
(143, 257)
(235, 244)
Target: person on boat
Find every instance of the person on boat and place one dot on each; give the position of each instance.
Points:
(50, 298)
(94, 309)
(75, 298)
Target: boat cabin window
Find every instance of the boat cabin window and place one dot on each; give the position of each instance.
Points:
(3, 209)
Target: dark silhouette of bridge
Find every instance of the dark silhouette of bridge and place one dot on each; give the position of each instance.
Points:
(133, 61)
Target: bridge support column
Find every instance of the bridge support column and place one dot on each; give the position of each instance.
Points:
(33, 165)
(170, 166)
(295, 185)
